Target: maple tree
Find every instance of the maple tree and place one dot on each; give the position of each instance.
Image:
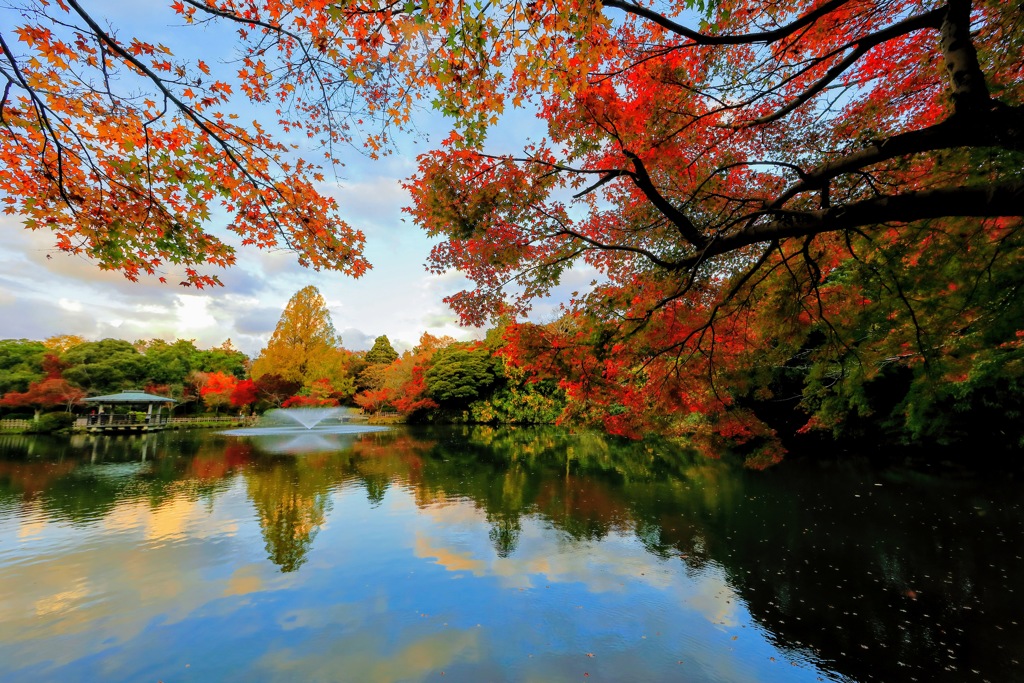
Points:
(52, 392)
(274, 389)
(373, 400)
(401, 383)
(320, 392)
(828, 189)
(244, 394)
(804, 198)
(124, 150)
(218, 390)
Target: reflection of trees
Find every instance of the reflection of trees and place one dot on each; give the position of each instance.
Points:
(578, 482)
(85, 477)
(573, 480)
(376, 486)
(917, 570)
(25, 480)
(921, 573)
(504, 533)
(383, 457)
(292, 499)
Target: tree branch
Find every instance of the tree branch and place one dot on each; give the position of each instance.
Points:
(990, 201)
(643, 181)
(747, 39)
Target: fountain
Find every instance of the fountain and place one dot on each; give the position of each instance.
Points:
(307, 417)
(309, 421)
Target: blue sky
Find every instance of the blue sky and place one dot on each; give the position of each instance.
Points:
(44, 292)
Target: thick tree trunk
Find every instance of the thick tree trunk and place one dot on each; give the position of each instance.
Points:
(967, 82)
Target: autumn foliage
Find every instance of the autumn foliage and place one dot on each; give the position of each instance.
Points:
(218, 389)
(802, 215)
(52, 392)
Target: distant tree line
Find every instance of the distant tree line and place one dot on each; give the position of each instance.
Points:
(518, 373)
(303, 364)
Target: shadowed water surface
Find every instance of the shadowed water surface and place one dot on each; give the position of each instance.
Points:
(485, 554)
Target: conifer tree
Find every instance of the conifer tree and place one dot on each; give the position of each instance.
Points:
(382, 352)
(304, 344)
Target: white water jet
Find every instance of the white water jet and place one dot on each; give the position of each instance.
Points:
(307, 417)
(291, 421)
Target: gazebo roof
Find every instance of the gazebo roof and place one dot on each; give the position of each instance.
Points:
(129, 397)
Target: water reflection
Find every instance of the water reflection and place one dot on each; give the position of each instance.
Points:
(526, 554)
(292, 499)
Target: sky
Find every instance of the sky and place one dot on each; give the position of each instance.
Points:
(44, 292)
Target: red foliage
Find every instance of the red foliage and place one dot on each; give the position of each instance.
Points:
(53, 366)
(372, 400)
(217, 389)
(413, 394)
(245, 393)
(158, 389)
(309, 402)
(48, 393)
(275, 389)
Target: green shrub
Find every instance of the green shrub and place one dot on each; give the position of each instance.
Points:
(51, 422)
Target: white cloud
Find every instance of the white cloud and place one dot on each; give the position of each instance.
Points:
(70, 305)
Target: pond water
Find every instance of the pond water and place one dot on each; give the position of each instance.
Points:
(479, 554)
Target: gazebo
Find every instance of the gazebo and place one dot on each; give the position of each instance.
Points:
(103, 418)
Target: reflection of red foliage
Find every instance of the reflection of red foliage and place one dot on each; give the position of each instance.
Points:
(318, 461)
(407, 448)
(32, 477)
(220, 463)
(237, 454)
(582, 498)
(208, 466)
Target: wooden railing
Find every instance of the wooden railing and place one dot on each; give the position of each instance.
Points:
(110, 419)
(219, 419)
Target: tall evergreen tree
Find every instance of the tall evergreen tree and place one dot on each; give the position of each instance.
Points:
(382, 352)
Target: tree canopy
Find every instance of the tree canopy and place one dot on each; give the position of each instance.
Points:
(124, 150)
(800, 202)
(459, 374)
(20, 364)
(382, 353)
(304, 343)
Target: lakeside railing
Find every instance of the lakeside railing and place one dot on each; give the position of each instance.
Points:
(220, 419)
(111, 419)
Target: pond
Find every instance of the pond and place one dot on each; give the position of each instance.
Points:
(480, 554)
